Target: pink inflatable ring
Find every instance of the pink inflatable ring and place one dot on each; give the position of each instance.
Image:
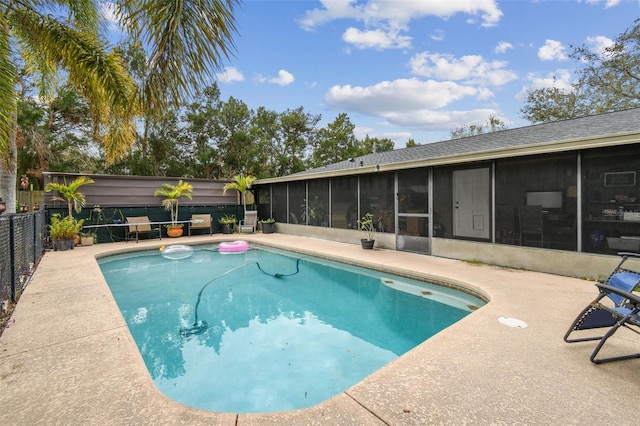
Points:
(234, 246)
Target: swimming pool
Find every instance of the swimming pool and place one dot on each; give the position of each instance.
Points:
(283, 331)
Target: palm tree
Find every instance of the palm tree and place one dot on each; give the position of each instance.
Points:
(241, 184)
(69, 193)
(172, 194)
(186, 42)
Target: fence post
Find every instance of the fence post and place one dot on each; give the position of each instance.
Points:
(13, 259)
(34, 216)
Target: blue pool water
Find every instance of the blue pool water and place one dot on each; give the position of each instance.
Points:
(284, 331)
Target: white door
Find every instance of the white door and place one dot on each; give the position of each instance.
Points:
(471, 201)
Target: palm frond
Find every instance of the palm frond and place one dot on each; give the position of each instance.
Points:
(189, 40)
(7, 92)
(97, 73)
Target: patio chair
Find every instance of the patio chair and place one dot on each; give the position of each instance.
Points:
(505, 224)
(531, 226)
(141, 225)
(201, 221)
(250, 222)
(615, 307)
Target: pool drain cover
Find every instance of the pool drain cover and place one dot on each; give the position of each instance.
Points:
(512, 322)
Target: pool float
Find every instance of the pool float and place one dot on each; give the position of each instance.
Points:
(233, 247)
(176, 252)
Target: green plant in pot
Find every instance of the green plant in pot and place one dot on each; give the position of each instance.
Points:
(172, 194)
(88, 238)
(71, 194)
(63, 231)
(228, 222)
(241, 184)
(268, 225)
(366, 225)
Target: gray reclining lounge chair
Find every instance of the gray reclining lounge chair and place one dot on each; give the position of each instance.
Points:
(615, 307)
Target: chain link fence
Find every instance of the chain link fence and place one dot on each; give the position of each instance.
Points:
(22, 245)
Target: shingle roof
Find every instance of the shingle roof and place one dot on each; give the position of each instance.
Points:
(601, 125)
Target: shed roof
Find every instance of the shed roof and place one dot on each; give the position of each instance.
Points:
(608, 129)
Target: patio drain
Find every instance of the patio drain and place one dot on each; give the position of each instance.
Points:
(512, 322)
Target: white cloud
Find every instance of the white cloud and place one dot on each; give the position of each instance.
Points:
(472, 69)
(376, 11)
(108, 12)
(598, 44)
(607, 3)
(411, 103)
(398, 95)
(284, 78)
(229, 75)
(503, 46)
(552, 50)
(385, 20)
(399, 138)
(442, 120)
(438, 35)
(560, 78)
(376, 39)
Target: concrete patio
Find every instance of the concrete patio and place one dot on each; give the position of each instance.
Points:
(68, 358)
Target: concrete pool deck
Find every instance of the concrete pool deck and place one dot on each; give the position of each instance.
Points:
(68, 358)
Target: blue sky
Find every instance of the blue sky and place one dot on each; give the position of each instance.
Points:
(412, 69)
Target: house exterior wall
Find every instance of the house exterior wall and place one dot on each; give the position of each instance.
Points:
(582, 265)
(585, 206)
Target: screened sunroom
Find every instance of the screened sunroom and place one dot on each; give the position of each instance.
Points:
(562, 187)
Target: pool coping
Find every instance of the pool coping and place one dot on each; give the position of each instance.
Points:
(69, 358)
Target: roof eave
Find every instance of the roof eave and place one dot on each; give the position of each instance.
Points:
(574, 144)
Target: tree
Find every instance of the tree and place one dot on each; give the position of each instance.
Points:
(372, 145)
(198, 137)
(606, 81)
(55, 134)
(172, 195)
(70, 193)
(46, 43)
(297, 131)
(235, 146)
(241, 184)
(493, 124)
(550, 104)
(334, 143)
(264, 131)
(183, 51)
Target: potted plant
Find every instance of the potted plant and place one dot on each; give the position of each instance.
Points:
(172, 194)
(71, 194)
(268, 225)
(241, 184)
(87, 238)
(63, 231)
(366, 225)
(228, 222)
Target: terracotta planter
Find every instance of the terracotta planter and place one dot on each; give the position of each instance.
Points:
(174, 231)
